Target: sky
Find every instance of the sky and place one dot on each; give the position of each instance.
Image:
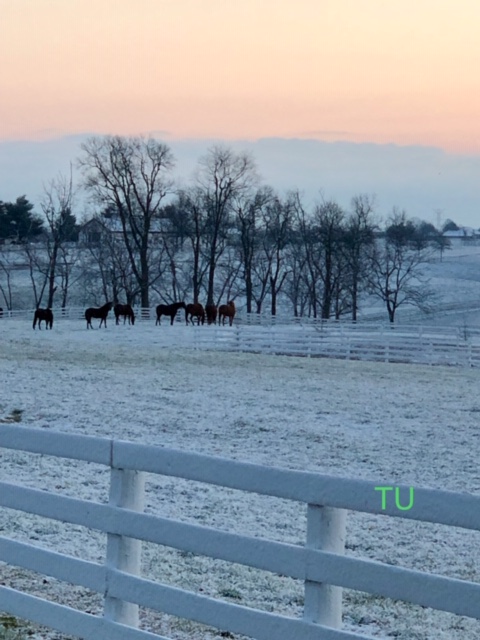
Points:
(402, 73)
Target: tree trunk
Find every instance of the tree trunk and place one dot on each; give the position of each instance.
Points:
(249, 291)
(211, 280)
(273, 298)
(51, 276)
(354, 300)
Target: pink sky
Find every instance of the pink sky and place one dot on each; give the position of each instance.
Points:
(384, 71)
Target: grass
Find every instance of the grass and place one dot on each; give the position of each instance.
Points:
(15, 415)
(11, 628)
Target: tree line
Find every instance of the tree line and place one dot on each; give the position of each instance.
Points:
(224, 234)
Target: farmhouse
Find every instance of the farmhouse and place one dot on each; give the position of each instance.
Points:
(96, 230)
(463, 235)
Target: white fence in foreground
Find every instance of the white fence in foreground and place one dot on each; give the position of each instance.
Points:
(320, 563)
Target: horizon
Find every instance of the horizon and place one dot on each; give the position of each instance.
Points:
(427, 182)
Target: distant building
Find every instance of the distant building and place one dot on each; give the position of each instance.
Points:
(91, 232)
(95, 230)
(465, 234)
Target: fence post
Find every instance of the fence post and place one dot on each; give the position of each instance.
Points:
(127, 489)
(387, 350)
(326, 530)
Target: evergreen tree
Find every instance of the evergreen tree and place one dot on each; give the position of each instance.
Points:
(18, 222)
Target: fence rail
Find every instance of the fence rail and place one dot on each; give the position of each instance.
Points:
(455, 346)
(320, 563)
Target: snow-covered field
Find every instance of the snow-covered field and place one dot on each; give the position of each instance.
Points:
(389, 423)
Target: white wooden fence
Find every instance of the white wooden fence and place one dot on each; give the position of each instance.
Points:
(454, 346)
(320, 563)
(381, 343)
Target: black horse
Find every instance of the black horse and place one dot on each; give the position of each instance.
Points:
(169, 310)
(43, 314)
(101, 312)
(126, 311)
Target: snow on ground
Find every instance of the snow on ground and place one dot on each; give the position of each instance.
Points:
(388, 423)
(455, 281)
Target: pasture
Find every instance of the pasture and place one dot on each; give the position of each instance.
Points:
(393, 423)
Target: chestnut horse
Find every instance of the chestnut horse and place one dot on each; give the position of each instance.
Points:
(43, 314)
(126, 311)
(101, 312)
(226, 311)
(169, 310)
(197, 310)
(211, 311)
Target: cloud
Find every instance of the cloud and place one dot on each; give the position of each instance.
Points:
(157, 133)
(418, 179)
(325, 133)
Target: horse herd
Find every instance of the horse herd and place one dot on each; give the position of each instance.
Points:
(192, 311)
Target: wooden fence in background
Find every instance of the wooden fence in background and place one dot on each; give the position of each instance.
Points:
(383, 342)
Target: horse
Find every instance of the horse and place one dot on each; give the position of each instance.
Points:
(124, 310)
(211, 311)
(168, 310)
(43, 314)
(197, 310)
(101, 312)
(226, 311)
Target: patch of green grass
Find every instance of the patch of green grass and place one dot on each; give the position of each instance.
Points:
(11, 628)
(231, 593)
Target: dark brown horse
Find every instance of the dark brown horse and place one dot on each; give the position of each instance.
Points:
(101, 312)
(195, 309)
(211, 311)
(226, 311)
(126, 311)
(169, 310)
(43, 314)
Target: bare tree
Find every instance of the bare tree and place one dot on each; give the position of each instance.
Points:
(307, 245)
(278, 224)
(249, 220)
(98, 274)
(36, 258)
(191, 218)
(261, 273)
(57, 205)
(270, 264)
(67, 273)
(222, 176)
(6, 268)
(395, 274)
(357, 240)
(328, 221)
(296, 288)
(131, 175)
